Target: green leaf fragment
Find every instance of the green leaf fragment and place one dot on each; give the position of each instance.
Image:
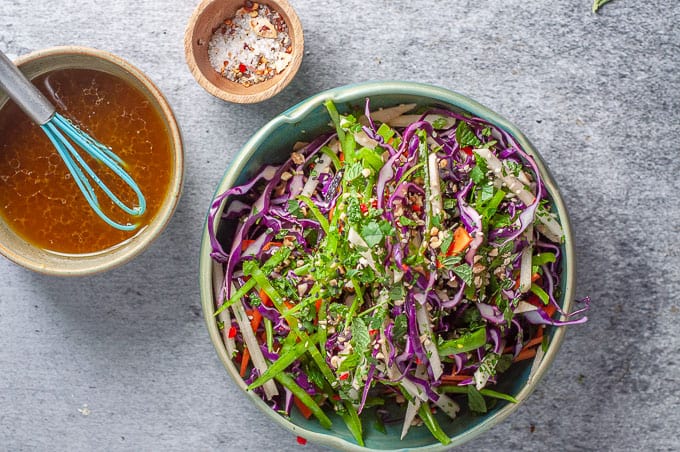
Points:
(540, 293)
(360, 337)
(465, 136)
(464, 272)
(432, 424)
(372, 234)
(466, 343)
(475, 400)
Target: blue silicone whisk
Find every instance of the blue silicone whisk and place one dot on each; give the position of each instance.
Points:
(60, 130)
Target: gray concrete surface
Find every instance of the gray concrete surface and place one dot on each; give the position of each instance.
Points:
(122, 361)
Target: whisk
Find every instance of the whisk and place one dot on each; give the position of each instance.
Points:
(60, 130)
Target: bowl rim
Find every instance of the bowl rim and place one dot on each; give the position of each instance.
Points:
(349, 93)
(257, 96)
(135, 246)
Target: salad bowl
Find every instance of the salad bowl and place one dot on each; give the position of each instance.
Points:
(305, 121)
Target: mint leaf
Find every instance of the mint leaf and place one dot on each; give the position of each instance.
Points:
(475, 400)
(450, 262)
(397, 292)
(464, 272)
(372, 234)
(504, 363)
(486, 193)
(465, 136)
(353, 171)
(360, 336)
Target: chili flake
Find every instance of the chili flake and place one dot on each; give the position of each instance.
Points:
(251, 47)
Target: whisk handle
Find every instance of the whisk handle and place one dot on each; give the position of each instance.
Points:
(22, 91)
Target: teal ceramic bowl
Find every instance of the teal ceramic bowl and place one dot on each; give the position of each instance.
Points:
(272, 143)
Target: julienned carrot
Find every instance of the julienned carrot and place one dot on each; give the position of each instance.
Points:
(244, 361)
(446, 378)
(535, 277)
(255, 322)
(525, 354)
(304, 409)
(550, 309)
(265, 298)
(245, 244)
(535, 341)
(461, 240)
(317, 304)
(270, 244)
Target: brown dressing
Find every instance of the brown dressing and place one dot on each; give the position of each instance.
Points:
(38, 197)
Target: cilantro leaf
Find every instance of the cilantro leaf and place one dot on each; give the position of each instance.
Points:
(477, 175)
(378, 318)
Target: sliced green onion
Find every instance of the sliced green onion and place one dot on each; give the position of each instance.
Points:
(351, 418)
(285, 359)
(432, 424)
(333, 156)
(543, 258)
(287, 381)
(323, 221)
(240, 293)
(540, 293)
(269, 329)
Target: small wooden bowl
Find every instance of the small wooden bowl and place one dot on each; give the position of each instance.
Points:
(207, 17)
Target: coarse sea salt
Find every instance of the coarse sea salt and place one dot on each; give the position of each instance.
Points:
(251, 47)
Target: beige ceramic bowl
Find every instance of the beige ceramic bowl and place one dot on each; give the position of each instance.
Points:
(27, 255)
(207, 17)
